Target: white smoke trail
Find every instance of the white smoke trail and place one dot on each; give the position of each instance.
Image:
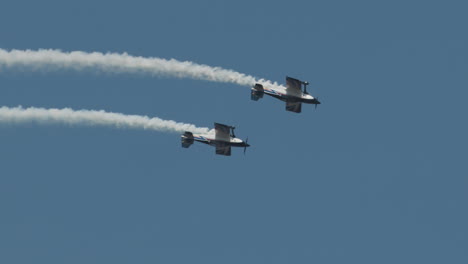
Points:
(48, 59)
(67, 116)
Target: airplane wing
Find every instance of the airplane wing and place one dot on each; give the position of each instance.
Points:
(293, 85)
(295, 107)
(222, 132)
(223, 149)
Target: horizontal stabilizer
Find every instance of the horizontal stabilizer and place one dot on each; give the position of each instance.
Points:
(187, 139)
(257, 92)
(258, 87)
(255, 96)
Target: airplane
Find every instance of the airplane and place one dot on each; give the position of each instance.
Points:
(292, 94)
(223, 139)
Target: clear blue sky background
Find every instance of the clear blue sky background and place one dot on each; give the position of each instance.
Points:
(377, 174)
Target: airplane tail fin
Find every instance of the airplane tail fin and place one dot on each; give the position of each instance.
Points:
(187, 139)
(257, 92)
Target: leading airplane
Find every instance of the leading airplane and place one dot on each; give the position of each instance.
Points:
(223, 139)
(292, 94)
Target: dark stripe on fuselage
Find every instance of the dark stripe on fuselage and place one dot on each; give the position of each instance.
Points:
(213, 142)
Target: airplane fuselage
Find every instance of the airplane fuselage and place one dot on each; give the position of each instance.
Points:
(211, 140)
(286, 96)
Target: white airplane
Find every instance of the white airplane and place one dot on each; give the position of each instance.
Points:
(223, 139)
(292, 94)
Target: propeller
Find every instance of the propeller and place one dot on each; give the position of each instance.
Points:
(233, 135)
(245, 146)
(305, 91)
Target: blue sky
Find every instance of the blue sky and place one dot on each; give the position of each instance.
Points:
(376, 175)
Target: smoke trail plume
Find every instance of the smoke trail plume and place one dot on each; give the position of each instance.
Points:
(48, 59)
(67, 116)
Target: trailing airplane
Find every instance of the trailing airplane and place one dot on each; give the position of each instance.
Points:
(292, 94)
(223, 139)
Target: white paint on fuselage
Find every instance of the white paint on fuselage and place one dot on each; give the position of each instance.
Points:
(210, 139)
(286, 94)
